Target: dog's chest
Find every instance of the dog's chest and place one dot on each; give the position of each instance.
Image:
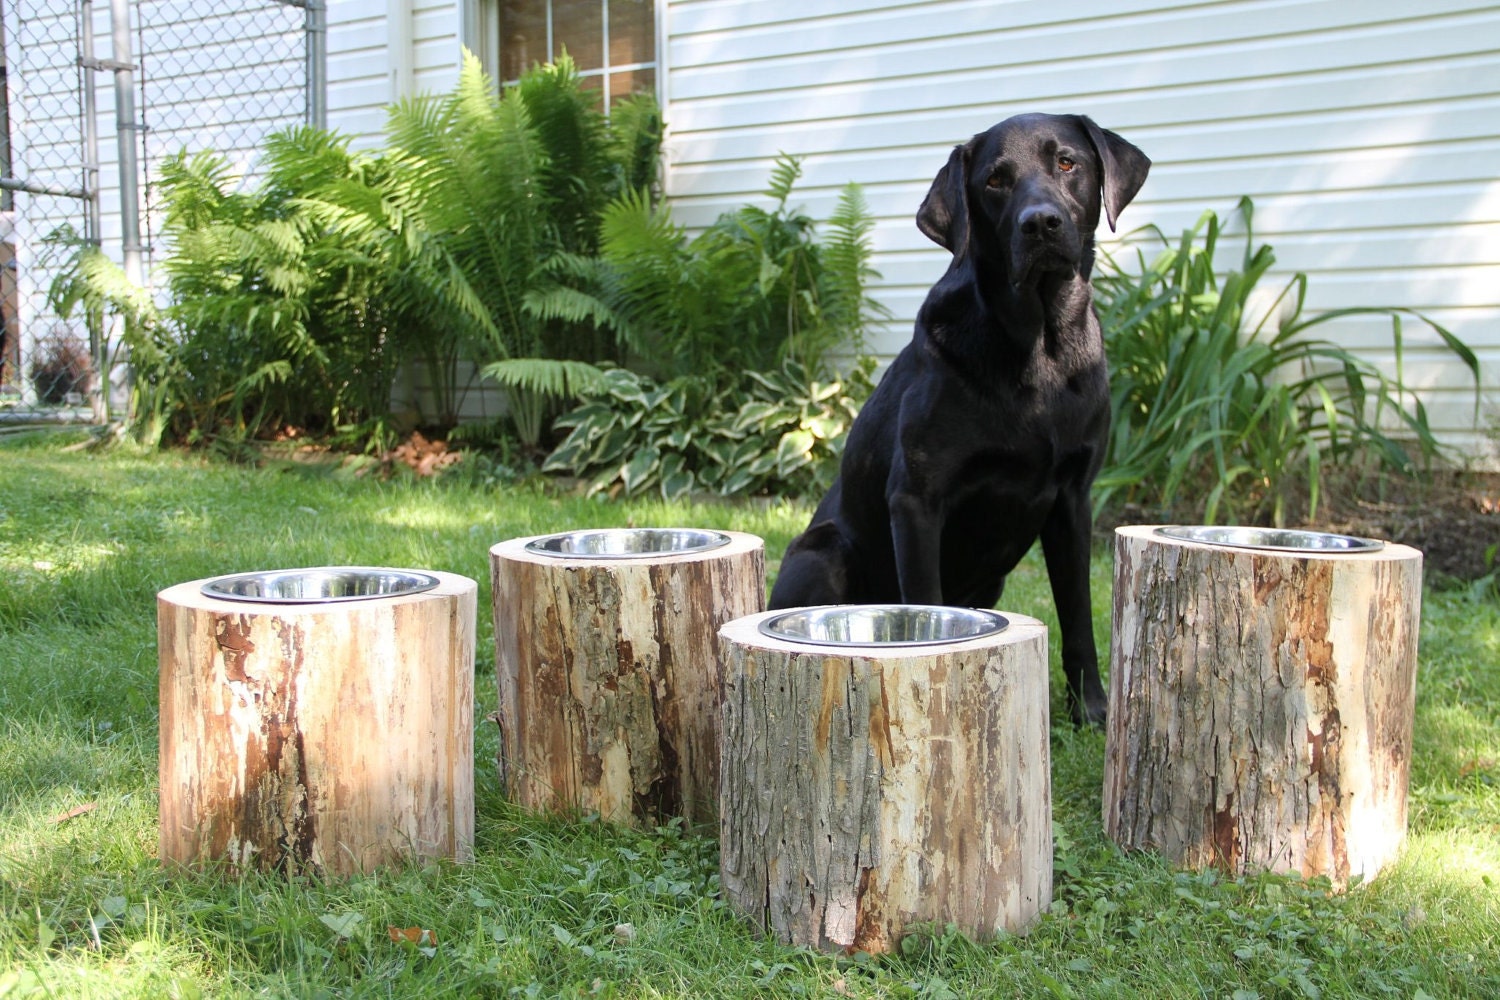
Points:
(1013, 451)
(1045, 408)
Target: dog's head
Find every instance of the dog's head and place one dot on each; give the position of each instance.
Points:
(1027, 193)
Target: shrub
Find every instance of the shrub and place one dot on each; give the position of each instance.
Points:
(506, 184)
(1237, 420)
(477, 191)
(279, 312)
(60, 365)
(757, 291)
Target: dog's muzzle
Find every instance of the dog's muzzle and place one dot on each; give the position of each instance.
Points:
(1044, 239)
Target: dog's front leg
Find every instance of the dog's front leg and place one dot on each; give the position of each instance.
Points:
(1065, 545)
(916, 534)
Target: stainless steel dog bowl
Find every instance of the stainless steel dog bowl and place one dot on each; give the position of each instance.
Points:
(323, 583)
(882, 625)
(1275, 539)
(627, 543)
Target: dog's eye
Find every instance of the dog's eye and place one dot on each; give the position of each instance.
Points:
(1065, 163)
(997, 180)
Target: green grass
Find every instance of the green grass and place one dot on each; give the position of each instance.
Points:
(86, 540)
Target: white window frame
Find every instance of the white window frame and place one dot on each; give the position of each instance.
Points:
(481, 36)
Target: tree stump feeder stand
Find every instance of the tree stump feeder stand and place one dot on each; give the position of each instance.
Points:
(1262, 690)
(885, 766)
(607, 658)
(317, 720)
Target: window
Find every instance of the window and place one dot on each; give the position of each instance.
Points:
(613, 42)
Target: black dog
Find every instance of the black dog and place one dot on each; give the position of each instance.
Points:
(988, 429)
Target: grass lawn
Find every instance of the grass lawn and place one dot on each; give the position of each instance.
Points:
(87, 540)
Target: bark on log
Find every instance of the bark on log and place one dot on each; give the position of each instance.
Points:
(609, 676)
(329, 737)
(866, 791)
(1261, 705)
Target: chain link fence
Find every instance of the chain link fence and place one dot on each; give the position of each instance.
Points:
(217, 75)
(203, 75)
(43, 191)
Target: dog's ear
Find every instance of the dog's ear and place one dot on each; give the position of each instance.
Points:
(944, 215)
(1124, 168)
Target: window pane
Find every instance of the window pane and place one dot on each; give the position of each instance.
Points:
(632, 32)
(523, 36)
(578, 26)
(594, 85)
(632, 81)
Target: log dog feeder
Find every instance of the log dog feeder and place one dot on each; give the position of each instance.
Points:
(885, 766)
(1262, 688)
(317, 720)
(607, 658)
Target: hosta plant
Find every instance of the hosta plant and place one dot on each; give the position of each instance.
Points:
(775, 432)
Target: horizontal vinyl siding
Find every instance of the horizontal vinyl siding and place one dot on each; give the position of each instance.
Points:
(1366, 134)
(436, 52)
(359, 70)
(373, 61)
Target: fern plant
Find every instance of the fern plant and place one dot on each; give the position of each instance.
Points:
(508, 183)
(296, 301)
(756, 288)
(279, 309)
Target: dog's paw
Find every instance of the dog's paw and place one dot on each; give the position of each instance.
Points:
(1091, 712)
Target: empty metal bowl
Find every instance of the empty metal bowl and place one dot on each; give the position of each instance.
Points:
(1275, 539)
(882, 625)
(627, 543)
(323, 583)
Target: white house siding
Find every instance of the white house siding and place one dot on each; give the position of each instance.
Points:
(361, 68)
(379, 53)
(1367, 135)
(435, 46)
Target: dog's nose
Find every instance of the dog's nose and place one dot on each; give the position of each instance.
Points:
(1040, 221)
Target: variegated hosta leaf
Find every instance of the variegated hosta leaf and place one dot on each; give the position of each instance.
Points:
(767, 433)
(594, 416)
(825, 428)
(640, 469)
(612, 448)
(676, 480)
(794, 451)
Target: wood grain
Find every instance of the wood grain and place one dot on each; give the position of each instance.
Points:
(609, 676)
(329, 737)
(1261, 705)
(865, 791)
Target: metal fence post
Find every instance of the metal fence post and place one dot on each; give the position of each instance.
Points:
(98, 342)
(126, 128)
(316, 22)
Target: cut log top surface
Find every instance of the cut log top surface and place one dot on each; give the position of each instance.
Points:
(191, 595)
(515, 550)
(745, 632)
(1388, 552)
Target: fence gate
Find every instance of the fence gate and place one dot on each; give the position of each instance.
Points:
(86, 85)
(44, 193)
